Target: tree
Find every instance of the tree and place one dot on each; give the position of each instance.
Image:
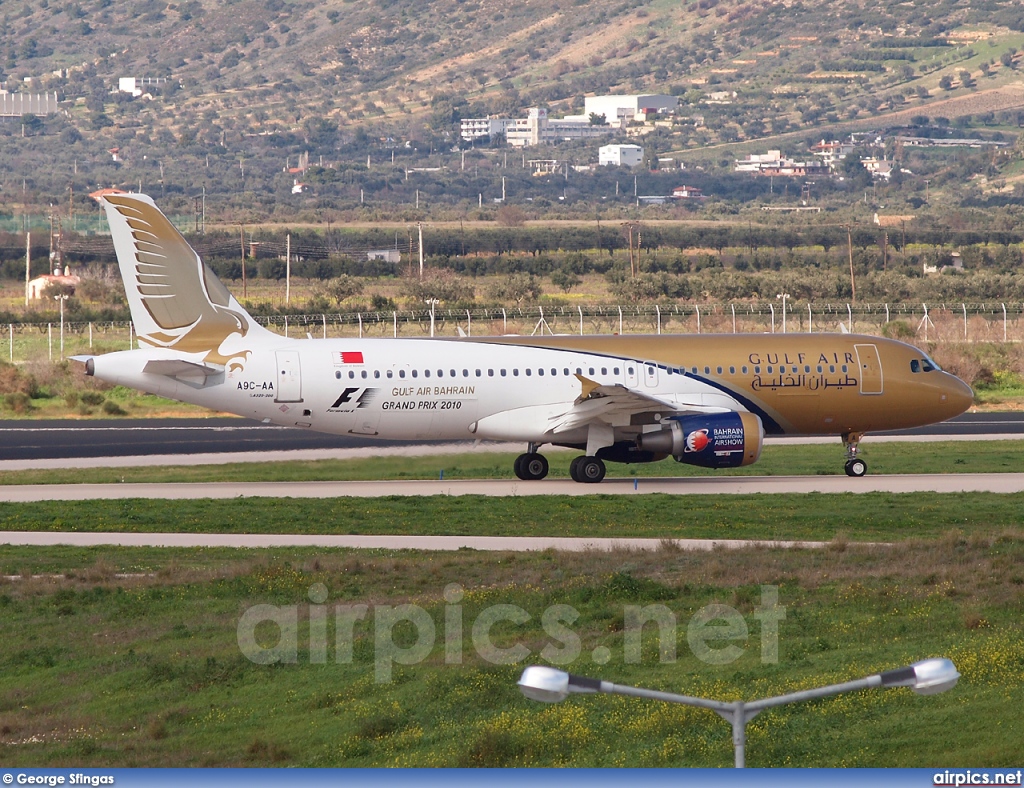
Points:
(343, 287)
(517, 288)
(946, 83)
(565, 280)
(440, 285)
(1007, 59)
(598, 120)
(966, 80)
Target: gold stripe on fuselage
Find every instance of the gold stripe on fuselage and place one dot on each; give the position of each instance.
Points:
(807, 384)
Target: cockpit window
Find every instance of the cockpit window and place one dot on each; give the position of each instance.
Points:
(915, 365)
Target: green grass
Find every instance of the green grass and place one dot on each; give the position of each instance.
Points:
(776, 460)
(857, 517)
(145, 670)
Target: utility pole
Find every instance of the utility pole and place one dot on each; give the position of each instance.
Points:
(241, 238)
(419, 228)
(849, 248)
(28, 262)
(288, 268)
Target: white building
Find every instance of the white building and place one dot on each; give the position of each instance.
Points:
(538, 129)
(620, 155)
(621, 109)
(480, 128)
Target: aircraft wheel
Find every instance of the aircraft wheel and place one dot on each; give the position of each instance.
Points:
(535, 466)
(531, 467)
(587, 470)
(856, 467)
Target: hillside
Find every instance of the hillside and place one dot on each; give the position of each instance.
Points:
(256, 83)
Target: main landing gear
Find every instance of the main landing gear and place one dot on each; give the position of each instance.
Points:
(854, 466)
(588, 470)
(531, 466)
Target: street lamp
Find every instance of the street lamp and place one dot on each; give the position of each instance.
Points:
(783, 296)
(61, 298)
(927, 677)
(432, 303)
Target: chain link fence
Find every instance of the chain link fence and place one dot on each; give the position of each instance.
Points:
(918, 323)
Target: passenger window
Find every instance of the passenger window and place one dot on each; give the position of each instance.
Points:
(927, 366)
(844, 367)
(426, 373)
(566, 372)
(831, 367)
(415, 373)
(744, 370)
(579, 371)
(490, 373)
(515, 373)
(337, 373)
(631, 371)
(915, 365)
(440, 373)
(478, 373)
(390, 374)
(528, 372)
(707, 370)
(452, 372)
(615, 371)
(351, 374)
(376, 373)
(364, 374)
(401, 373)
(757, 370)
(503, 373)
(719, 370)
(604, 370)
(465, 373)
(819, 367)
(591, 370)
(554, 372)
(540, 371)
(732, 370)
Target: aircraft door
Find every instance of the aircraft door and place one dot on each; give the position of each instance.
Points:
(289, 377)
(870, 369)
(650, 374)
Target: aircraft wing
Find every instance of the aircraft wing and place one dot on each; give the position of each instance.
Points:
(613, 404)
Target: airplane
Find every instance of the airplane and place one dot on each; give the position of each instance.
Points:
(705, 400)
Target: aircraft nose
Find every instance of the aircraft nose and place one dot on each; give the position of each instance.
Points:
(957, 395)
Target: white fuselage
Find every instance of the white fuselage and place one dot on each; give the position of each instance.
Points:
(412, 388)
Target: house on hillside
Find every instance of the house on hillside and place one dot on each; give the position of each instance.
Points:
(37, 287)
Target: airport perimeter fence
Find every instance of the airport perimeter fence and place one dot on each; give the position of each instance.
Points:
(918, 323)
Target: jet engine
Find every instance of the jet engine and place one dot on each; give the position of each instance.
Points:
(713, 440)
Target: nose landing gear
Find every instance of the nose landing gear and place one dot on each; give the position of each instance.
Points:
(854, 466)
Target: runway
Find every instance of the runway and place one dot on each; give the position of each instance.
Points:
(43, 445)
(718, 485)
(368, 542)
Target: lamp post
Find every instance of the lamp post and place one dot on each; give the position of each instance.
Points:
(927, 677)
(432, 303)
(783, 296)
(61, 299)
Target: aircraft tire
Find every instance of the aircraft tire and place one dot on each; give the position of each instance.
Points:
(531, 467)
(534, 466)
(573, 466)
(856, 467)
(587, 470)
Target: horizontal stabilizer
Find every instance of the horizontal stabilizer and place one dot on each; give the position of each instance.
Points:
(174, 368)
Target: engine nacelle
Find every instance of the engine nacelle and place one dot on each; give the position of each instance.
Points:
(715, 440)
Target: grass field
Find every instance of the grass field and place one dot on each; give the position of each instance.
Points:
(131, 658)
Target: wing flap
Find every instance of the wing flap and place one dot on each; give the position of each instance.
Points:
(613, 404)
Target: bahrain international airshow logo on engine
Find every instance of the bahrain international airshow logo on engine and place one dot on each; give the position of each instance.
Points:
(697, 441)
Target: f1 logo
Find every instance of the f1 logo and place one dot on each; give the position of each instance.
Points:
(346, 396)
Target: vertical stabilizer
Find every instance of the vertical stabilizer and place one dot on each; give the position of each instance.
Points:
(176, 300)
